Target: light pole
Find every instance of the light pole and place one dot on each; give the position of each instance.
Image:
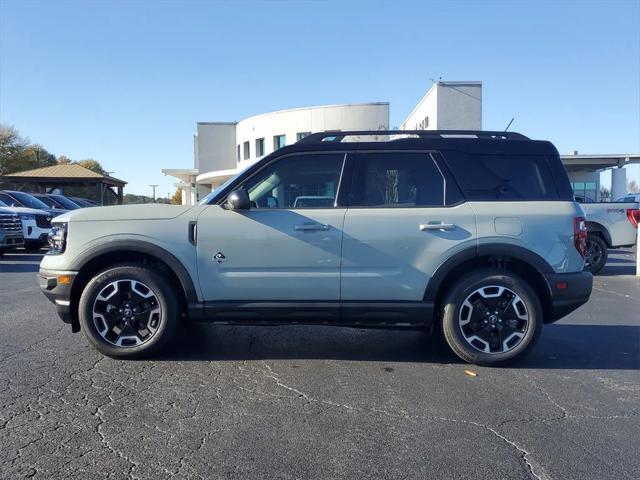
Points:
(154, 192)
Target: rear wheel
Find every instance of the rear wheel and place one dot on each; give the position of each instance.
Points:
(491, 318)
(129, 311)
(596, 257)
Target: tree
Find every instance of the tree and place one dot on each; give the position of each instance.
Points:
(17, 154)
(12, 149)
(92, 165)
(177, 197)
(605, 194)
(131, 198)
(39, 156)
(632, 186)
(64, 160)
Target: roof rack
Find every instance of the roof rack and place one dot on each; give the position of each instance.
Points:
(338, 135)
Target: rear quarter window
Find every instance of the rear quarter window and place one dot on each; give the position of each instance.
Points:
(488, 177)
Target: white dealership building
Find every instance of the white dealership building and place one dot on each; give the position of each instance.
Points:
(222, 149)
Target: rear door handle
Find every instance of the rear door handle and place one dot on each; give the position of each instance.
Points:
(310, 227)
(437, 226)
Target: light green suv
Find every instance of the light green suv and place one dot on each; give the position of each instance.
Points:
(476, 232)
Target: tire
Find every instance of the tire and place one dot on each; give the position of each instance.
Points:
(136, 287)
(597, 253)
(465, 304)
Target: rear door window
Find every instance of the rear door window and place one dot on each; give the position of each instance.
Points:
(396, 179)
(503, 177)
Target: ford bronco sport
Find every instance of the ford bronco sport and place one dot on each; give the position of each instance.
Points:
(475, 232)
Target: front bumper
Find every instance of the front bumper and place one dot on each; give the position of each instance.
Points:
(56, 286)
(568, 292)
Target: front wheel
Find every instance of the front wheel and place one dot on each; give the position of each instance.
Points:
(596, 257)
(491, 318)
(128, 311)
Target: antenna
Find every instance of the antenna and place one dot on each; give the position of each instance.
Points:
(509, 124)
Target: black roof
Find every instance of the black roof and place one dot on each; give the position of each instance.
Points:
(469, 141)
(466, 141)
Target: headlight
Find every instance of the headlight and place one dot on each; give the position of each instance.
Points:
(26, 216)
(58, 238)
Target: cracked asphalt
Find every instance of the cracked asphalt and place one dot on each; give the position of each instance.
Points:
(319, 402)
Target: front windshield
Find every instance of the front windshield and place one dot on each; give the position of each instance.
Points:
(66, 203)
(29, 200)
(9, 201)
(48, 201)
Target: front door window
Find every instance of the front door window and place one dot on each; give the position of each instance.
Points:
(297, 181)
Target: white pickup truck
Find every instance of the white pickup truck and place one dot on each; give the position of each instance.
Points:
(609, 225)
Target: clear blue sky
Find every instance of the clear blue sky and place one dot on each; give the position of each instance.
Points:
(125, 82)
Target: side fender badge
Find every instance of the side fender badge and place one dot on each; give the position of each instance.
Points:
(219, 257)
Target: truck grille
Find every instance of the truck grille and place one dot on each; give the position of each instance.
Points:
(10, 223)
(43, 221)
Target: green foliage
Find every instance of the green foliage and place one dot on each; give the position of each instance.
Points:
(17, 154)
(130, 199)
(92, 165)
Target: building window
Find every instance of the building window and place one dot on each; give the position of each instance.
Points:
(301, 135)
(238, 155)
(247, 152)
(279, 141)
(259, 147)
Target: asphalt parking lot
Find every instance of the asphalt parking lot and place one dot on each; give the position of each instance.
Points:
(319, 402)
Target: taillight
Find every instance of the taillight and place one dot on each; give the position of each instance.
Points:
(580, 235)
(633, 214)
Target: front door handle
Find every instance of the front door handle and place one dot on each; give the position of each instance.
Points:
(437, 226)
(310, 227)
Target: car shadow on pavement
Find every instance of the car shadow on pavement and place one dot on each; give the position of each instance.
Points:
(232, 343)
(612, 269)
(20, 262)
(591, 347)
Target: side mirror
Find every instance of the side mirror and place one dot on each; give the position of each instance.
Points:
(239, 200)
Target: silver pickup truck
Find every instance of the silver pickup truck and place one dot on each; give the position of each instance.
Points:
(609, 225)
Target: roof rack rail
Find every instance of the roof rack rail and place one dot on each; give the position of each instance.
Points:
(338, 135)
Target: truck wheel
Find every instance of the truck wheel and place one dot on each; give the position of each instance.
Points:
(491, 318)
(128, 311)
(597, 253)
